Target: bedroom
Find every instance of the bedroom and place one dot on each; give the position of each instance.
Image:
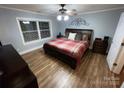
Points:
(86, 29)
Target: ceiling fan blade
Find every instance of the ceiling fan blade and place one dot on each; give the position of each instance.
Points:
(62, 10)
(71, 12)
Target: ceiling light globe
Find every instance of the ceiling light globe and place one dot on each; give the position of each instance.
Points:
(59, 17)
(66, 17)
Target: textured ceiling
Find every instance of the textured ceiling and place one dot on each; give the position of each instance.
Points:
(52, 9)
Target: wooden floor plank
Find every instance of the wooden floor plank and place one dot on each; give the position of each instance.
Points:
(51, 72)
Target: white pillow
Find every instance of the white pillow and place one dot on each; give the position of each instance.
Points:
(72, 36)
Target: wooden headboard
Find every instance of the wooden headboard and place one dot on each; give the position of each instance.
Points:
(80, 32)
(0, 44)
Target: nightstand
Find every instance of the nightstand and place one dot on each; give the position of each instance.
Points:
(59, 36)
(100, 46)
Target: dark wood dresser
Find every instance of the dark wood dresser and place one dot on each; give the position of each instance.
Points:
(14, 71)
(100, 46)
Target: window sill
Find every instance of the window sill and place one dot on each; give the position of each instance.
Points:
(36, 41)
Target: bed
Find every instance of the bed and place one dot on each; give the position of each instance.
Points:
(68, 50)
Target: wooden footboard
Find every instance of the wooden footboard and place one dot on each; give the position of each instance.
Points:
(61, 56)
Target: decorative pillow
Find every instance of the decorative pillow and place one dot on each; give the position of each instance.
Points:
(85, 37)
(72, 36)
(78, 36)
(67, 34)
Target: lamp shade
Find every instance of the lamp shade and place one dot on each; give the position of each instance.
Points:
(66, 17)
(62, 17)
(59, 17)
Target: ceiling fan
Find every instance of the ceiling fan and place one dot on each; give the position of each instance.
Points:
(64, 13)
(68, 12)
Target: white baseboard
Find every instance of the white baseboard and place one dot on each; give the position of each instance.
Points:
(29, 50)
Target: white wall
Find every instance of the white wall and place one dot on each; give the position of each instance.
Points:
(9, 31)
(103, 23)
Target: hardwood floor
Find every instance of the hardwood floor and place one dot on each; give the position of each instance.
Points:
(92, 72)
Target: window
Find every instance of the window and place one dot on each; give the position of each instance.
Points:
(34, 30)
(29, 30)
(44, 29)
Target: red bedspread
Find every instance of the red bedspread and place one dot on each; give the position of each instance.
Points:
(72, 48)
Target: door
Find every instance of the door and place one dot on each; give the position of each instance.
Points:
(119, 61)
(116, 43)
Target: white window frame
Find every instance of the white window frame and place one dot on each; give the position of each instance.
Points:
(38, 29)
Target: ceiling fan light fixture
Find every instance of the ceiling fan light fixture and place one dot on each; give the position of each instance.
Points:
(66, 17)
(63, 15)
(59, 17)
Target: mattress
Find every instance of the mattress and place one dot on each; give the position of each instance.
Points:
(73, 48)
